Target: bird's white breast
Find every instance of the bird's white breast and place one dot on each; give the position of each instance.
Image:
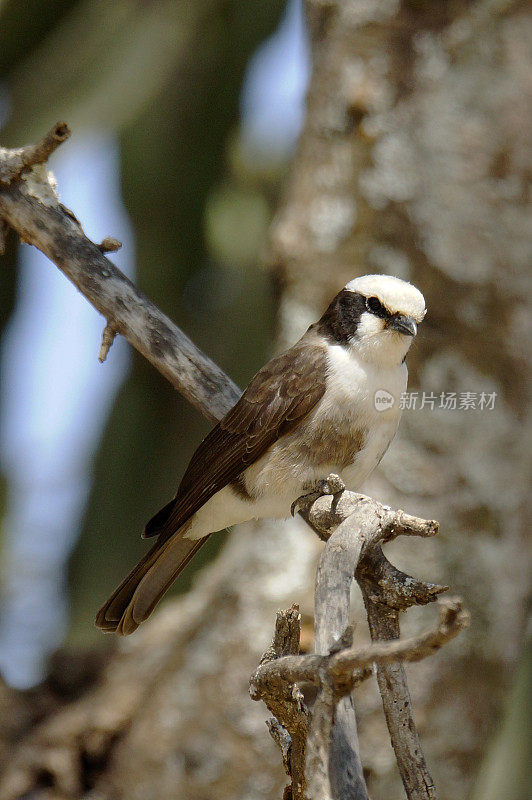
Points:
(345, 433)
(367, 396)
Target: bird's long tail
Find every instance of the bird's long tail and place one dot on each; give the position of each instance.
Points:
(138, 594)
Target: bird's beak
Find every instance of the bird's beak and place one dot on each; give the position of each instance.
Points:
(402, 324)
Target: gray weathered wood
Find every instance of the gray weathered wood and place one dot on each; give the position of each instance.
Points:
(332, 604)
(346, 664)
(417, 780)
(354, 527)
(289, 728)
(29, 205)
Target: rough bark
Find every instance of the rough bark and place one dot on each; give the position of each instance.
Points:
(415, 161)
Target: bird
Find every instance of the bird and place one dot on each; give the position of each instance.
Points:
(329, 404)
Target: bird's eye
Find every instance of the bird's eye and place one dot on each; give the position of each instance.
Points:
(374, 305)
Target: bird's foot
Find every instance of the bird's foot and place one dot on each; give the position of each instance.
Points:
(331, 485)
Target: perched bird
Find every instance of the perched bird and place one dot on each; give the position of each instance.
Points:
(328, 404)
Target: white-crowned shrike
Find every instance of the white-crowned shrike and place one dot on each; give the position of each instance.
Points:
(317, 408)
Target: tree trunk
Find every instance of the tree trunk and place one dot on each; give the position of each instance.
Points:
(414, 161)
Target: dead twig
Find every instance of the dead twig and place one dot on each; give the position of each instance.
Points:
(383, 604)
(108, 337)
(343, 667)
(14, 162)
(289, 727)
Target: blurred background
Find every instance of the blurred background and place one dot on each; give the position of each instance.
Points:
(189, 188)
(414, 160)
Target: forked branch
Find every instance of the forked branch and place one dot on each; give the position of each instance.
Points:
(354, 527)
(14, 162)
(344, 667)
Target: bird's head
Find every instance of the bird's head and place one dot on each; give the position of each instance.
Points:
(377, 315)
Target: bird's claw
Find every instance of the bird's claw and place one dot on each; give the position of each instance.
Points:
(331, 485)
(305, 500)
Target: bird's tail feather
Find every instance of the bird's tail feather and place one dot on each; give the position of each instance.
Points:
(138, 594)
(157, 522)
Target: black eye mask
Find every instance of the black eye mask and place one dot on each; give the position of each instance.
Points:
(374, 306)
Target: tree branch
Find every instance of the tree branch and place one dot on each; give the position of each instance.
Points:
(383, 620)
(332, 606)
(29, 204)
(319, 742)
(354, 526)
(343, 667)
(289, 728)
(14, 162)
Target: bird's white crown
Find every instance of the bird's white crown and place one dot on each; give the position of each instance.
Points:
(397, 295)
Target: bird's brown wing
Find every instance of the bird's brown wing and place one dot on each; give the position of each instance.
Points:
(280, 394)
(286, 389)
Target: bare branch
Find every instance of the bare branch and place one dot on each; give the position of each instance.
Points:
(14, 162)
(332, 605)
(372, 523)
(452, 620)
(354, 526)
(336, 675)
(31, 207)
(344, 665)
(397, 705)
(319, 742)
(396, 589)
(325, 511)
